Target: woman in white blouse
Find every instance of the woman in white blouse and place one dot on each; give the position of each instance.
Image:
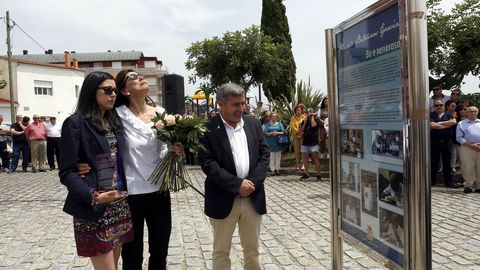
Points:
(142, 153)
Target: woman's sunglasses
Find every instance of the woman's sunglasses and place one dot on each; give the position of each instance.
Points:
(108, 90)
(133, 76)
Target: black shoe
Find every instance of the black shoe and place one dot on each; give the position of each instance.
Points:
(304, 176)
(277, 173)
(319, 178)
(467, 190)
(452, 186)
(42, 170)
(24, 169)
(52, 168)
(477, 190)
(34, 171)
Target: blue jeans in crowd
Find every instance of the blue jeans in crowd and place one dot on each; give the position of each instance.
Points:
(25, 150)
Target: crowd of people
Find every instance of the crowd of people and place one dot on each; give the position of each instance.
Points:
(454, 139)
(36, 142)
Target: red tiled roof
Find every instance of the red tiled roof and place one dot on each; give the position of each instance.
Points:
(36, 63)
(6, 102)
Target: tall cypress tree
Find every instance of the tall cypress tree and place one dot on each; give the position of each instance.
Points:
(275, 24)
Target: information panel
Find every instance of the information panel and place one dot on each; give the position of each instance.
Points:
(371, 128)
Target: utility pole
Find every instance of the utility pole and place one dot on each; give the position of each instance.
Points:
(10, 75)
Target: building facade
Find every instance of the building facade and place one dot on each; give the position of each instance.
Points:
(40, 88)
(149, 67)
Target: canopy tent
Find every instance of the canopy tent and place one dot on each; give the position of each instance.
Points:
(201, 95)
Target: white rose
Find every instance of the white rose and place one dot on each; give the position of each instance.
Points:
(159, 125)
(170, 120)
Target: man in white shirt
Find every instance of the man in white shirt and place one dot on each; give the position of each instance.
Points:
(53, 142)
(235, 162)
(468, 135)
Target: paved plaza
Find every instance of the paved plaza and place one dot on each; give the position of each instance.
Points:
(36, 234)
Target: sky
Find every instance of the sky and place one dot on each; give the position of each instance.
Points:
(166, 28)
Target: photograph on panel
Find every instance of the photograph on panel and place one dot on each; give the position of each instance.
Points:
(387, 146)
(391, 188)
(391, 227)
(352, 143)
(351, 176)
(351, 209)
(369, 193)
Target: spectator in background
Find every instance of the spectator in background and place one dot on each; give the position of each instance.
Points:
(441, 142)
(322, 115)
(265, 117)
(4, 131)
(309, 132)
(36, 134)
(247, 109)
(468, 135)
(20, 143)
(212, 114)
(271, 131)
(451, 107)
(296, 137)
(455, 96)
(437, 94)
(53, 142)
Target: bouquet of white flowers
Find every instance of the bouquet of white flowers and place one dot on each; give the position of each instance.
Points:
(174, 128)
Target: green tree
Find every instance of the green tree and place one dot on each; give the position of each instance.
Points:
(453, 42)
(246, 57)
(274, 23)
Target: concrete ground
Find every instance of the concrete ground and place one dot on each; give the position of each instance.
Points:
(36, 234)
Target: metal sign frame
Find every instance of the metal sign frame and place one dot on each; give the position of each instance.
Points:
(416, 173)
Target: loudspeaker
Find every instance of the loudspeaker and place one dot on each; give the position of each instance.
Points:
(173, 94)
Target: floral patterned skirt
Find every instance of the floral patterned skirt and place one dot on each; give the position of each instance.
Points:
(112, 230)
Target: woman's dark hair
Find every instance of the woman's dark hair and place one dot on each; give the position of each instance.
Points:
(121, 81)
(322, 104)
(25, 119)
(448, 104)
(88, 107)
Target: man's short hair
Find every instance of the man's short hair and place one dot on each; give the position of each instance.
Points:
(229, 89)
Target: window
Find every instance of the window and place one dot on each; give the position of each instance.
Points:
(150, 64)
(43, 88)
(117, 65)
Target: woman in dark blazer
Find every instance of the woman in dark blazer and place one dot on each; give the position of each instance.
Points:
(93, 135)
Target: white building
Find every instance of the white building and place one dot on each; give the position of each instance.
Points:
(45, 89)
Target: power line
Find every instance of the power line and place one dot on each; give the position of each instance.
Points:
(16, 24)
(59, 60)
